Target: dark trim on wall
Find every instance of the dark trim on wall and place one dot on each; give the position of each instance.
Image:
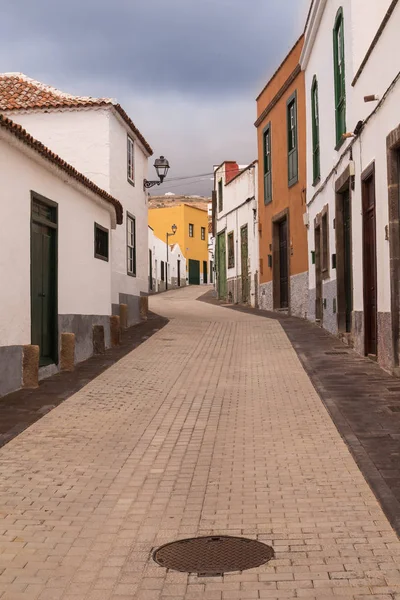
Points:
(279, 95)
(393, 168)
(375, 41)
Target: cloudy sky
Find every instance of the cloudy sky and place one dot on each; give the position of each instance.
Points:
(186, 71)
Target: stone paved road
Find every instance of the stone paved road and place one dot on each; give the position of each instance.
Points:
(211, 426)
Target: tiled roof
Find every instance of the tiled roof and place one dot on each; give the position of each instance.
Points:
(18, 92)
(20, 133)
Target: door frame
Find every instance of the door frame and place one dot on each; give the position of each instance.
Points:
(35, 197)
(393, 169)
(178, 272)
(367, 174)
(276, 279)
(218, 265)
(342, 187)
(248, 278)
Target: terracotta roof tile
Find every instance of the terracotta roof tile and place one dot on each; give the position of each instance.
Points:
(21, 134)
(18, 92)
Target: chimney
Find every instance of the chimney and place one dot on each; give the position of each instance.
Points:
(231, 170)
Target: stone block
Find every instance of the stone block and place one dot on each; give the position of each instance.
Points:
(115, 328)
(30, 367)
(99, 345)
(67, 352)
(144, 307)
(123, 315)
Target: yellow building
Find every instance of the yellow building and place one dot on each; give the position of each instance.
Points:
(191, 235)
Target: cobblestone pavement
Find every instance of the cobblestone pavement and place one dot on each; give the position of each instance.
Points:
(211, 426)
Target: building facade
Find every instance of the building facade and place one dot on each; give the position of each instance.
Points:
(99, 139)
(55, 268)
(191, 236)
(163, 264)
(352, 196)
(236, 235)
(281, 134)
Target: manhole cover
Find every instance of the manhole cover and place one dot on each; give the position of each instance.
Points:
(213, 555)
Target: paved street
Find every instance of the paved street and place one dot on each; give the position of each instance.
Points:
(211, 426)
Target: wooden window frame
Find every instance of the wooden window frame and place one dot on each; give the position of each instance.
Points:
(130, 160)
(231, 255)
(220, 195)
(191, 230)
(104, 230)
(203, 233)
(292, 101)
(339, 68)
(130, 218)
(315, 132)
(267, 134)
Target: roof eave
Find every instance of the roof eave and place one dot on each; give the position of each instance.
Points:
(314, 21)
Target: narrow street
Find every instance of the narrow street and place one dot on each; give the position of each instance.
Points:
(210, 427)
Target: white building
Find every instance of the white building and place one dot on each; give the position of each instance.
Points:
(352, 89)
(236, 232)
(98, 138)
(55, 273)
(158, 260)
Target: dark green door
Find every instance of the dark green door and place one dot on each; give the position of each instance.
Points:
(205, 274)
(244, 245)
(348, 267)
(194, 272)
(43, 286)
(221, 272)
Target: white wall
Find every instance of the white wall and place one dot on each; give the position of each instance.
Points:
(239, 202)
(84, 281)
(134, 201)
(94, 141)
(159, 253)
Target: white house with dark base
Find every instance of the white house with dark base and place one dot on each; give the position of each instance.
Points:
(353, 145)
(55, 268)
(97, 137)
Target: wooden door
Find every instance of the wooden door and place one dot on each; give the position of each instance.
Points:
(150, 270)
(222, 265)
(244, 247)
(318, 276)
(194, 272)
(179, 273)
(205, 272)
(348, 262)
(283, 265)
(44, 283)
(211, 272)
(370, 266)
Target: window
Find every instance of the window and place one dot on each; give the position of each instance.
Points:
(220, 196)
(325, 245)
(131, 161)
(340, 81)
(292, 139)
(315, 132)
(100, 242)
(203, 233)
(131, 244)
(162, 271)
(231, 251)
(267, 165)
(191, 230)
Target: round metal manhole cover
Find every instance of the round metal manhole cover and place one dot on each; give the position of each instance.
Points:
(213, 555)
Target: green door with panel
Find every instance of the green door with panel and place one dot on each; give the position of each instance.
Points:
(44, 281)
(222, 288)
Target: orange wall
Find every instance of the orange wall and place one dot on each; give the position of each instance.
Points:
(283, 197)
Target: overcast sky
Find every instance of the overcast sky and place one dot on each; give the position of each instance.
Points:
(186, 71)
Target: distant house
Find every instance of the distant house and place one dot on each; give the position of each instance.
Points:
(281, 133)
(98, 138)
(159, 258)
(191, 220)
(55, 261)
(236, 235)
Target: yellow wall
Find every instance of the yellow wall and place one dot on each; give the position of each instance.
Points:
(162, 219)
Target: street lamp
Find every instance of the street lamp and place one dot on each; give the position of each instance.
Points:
(174, 229)
(161, 166)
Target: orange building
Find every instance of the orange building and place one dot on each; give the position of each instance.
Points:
(281, 133)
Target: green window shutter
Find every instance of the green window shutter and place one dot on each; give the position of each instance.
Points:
(267, 164)
(315, 131)
(293, 175)
(340, 77)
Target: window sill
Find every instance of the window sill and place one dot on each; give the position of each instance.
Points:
(130, 181)
(316, 181)
(340, 144)
(293, 182)
(131, 274)
(100, 257)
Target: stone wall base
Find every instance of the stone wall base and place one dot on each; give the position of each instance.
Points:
(299, 295)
